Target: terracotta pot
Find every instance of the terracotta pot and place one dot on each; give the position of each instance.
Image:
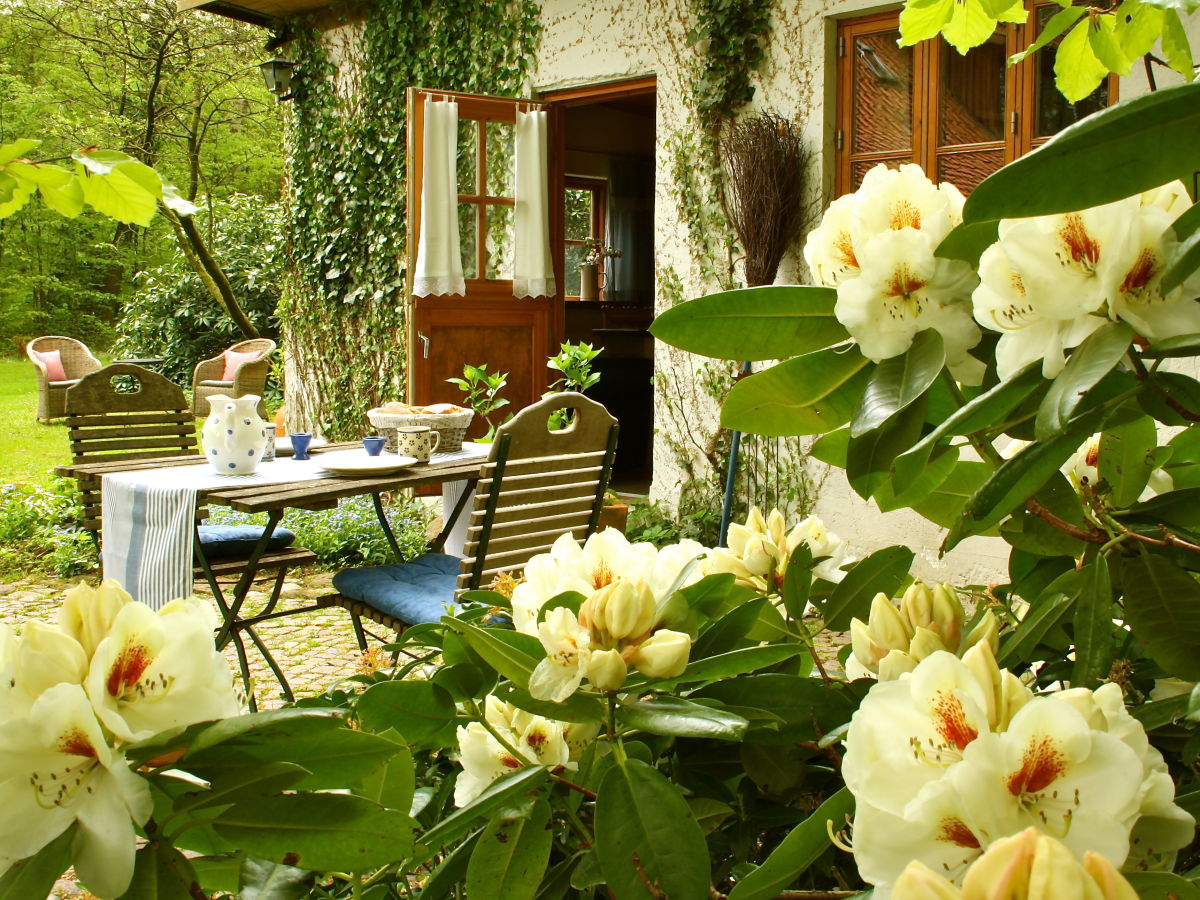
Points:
(614, 514)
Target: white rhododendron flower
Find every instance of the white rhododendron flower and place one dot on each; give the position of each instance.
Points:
(877, 248)
(56, 768)
(160, 670)
(1026, 866)
(957, 754)
(1082, 469)
(606, 556)
(484, 759)
(1050, 281)
(762, 548)
(557, 676)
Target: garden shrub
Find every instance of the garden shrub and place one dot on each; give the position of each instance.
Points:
(173, 316)
(40, 530)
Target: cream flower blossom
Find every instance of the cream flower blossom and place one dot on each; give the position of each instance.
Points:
(87, 613)
(957, 754)
(56, 768)
(160, 670)
(484, 759)
(1050, 281)
(1026, 866)
(762, 548)
(42, 658)
(602, 559)
(557, 676)
(877, 246)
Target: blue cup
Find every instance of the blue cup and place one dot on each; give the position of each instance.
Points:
(374, 445)
(300, 441)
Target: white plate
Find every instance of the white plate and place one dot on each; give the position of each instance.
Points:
(283, 445)
(356, 462)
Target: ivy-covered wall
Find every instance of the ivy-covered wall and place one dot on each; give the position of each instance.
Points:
(344, 309)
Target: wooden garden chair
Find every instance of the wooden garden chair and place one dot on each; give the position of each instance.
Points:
(232, 376)
(74, 360)
(536, 485)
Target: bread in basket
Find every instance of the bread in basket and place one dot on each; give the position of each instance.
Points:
(448, 420)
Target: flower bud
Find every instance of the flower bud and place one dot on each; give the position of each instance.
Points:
(87, 613)
(1112, 883)
(737, 537)
(776, 528)
(947, 615)
(916, 606)
(925, 643)
(663, 655)
(630, 611)
(919, 882)
(887, 624)
(895, 664)
(606, 670)
(988, 631)
(866, 650)
(719, 561)
(755, 521)
(592, 613)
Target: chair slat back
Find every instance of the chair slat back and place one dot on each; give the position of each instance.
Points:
(105, 423)
(537, 485)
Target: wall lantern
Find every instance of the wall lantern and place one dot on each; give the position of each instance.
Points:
(277, 76)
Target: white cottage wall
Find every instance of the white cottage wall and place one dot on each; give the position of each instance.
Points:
(611, 40)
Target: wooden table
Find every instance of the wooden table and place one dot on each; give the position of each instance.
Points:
(274, 500)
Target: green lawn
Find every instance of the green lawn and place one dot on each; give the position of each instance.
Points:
(29, 449)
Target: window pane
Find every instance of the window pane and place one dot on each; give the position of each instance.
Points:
(883, 95)
(466, 238)
(468, 153)
(966, 169)
(578, 214)
(860, 167)
(499, 242)
(1053, 112)
(499, 159)
(571, 270)
(972, 94)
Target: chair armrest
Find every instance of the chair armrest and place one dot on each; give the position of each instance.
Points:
(251, 377)
(208, 370)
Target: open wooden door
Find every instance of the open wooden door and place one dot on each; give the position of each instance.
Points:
(487, 325)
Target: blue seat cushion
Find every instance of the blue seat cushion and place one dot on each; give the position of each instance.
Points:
(413, 592)
(222, 541)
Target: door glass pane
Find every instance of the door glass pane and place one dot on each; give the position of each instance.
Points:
(972, 94)
(1053, 113)
(571, 270)
(466, 238)
(499, 159)
(860, 167)
(883, 93)
(966, 169)
(578, 214)
(468, 154)
(499, 242)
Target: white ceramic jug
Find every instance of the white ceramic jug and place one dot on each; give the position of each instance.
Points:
(233, 434)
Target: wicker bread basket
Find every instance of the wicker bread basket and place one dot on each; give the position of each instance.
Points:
(451, 426)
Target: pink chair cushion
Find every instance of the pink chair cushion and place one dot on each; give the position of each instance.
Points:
(235, 360)
(52, 360)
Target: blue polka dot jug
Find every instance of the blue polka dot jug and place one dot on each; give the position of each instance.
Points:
(233, 436)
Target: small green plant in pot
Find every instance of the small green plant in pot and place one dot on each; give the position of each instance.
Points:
(482, 389)
(574, 361)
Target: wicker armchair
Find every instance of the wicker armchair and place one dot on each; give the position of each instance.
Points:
(77, 361)
(250, 378)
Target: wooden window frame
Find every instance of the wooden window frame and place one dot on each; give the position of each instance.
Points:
(1019, 97)
(598, 187)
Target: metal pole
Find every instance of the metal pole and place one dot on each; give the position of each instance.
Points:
(735, 446)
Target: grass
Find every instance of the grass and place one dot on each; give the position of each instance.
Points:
(29, 449)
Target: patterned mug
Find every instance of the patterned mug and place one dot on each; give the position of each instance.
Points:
(418, 441)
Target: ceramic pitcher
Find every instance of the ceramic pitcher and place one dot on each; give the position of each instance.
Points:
(233, 434)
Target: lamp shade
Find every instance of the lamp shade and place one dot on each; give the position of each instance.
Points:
(277, 76)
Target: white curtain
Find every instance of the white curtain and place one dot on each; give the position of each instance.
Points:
(439, 260)
(533, 266)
